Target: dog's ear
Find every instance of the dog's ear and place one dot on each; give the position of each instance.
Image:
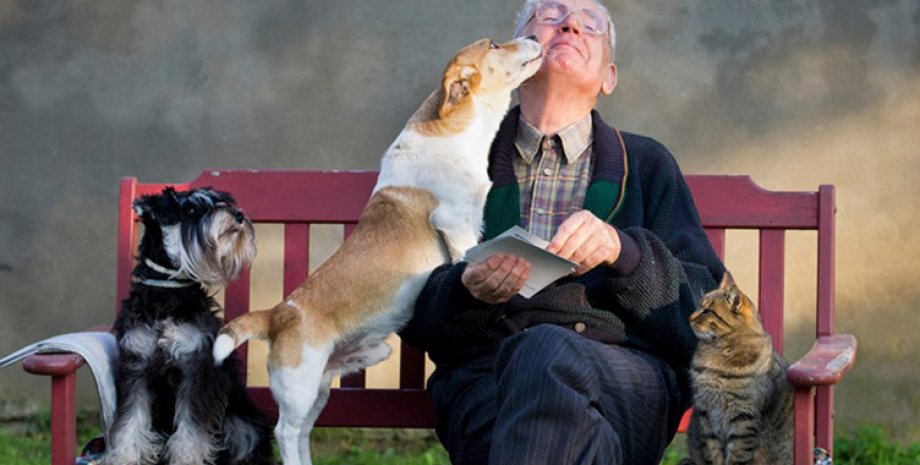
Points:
(144, 206)
(458, 81)
(161, 208)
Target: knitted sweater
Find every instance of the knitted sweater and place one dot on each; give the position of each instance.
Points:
(644, 301)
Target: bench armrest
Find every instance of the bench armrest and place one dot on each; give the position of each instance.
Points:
(828, 360)
(53, 364)
(58, 363)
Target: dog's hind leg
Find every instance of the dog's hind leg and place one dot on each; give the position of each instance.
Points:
(321, 399)
(297, 389)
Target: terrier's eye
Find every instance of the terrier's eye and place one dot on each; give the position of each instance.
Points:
(493, 45)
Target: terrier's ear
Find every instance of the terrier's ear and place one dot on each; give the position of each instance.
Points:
(169, 193)
(458, 83)
(144, 207)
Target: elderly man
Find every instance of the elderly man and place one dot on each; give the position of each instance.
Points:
(594, 368)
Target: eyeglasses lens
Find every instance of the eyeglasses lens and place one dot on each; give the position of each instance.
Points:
(554, 13)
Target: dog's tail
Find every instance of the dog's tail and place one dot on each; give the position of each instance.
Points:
(241, 329)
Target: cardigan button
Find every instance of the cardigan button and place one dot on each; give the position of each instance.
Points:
(579, 327)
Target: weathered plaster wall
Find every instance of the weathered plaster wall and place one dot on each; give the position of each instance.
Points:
(794, 92)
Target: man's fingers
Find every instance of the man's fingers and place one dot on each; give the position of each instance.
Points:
(568, 227)
(591, 261)
(511, 283)
(522, 272)
(577, 240)
(475, 274)
(496, 279)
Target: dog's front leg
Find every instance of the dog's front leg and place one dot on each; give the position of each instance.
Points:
(134, 442)
(201, 398)
(457, 234)
(198, 411)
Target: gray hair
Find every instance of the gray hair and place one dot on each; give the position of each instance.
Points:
(530, 8)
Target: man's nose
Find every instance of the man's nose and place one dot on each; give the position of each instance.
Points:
(570, 24)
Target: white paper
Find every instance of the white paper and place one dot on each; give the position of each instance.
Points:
(545, 267)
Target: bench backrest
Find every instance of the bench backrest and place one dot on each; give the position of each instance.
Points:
(298, 199)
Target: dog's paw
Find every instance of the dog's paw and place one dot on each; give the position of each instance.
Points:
(188, 446)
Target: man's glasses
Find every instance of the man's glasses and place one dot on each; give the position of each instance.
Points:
(554, 13)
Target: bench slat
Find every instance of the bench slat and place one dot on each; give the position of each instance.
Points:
(359, 379)
(717, 239)
(391, 408)
(296, 255)
(411, 367)
(737, 202)
(236, 303)
(295, 196)
(772, 264)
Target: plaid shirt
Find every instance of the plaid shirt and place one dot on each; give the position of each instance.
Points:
(553, 174)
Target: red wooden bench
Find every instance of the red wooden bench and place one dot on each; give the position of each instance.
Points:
(298, 199)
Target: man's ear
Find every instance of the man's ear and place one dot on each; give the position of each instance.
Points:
(610, 79)
(458, 83)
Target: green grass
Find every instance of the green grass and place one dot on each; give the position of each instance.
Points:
(869, 446)
(353, 446)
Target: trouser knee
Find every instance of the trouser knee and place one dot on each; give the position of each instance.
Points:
(542, 355)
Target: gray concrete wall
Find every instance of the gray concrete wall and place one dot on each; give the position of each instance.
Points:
(794, 92)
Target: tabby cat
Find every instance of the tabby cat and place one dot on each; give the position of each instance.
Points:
(741, 399)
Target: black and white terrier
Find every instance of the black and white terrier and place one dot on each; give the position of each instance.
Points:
(174, 405)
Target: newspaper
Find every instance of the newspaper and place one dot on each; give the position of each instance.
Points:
(545, 267)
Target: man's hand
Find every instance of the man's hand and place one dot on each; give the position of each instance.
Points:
(584, 239)
(496, 279)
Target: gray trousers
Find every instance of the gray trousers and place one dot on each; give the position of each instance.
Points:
(553, 397)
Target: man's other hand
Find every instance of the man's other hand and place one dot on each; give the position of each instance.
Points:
(496, 279)
(584, 239)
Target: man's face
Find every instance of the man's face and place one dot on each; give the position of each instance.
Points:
(574, 52)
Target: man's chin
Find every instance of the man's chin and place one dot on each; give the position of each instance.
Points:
(564, 63)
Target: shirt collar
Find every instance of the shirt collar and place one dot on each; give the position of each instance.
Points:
(575, 137)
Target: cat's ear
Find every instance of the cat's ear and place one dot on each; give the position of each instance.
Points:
(732, 293)
(727, 281)
(734, 299)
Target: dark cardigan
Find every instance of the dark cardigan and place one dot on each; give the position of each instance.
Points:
(644, 301)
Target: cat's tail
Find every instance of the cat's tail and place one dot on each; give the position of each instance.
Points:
(237, 332)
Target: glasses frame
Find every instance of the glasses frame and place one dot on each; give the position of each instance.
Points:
(570, 11)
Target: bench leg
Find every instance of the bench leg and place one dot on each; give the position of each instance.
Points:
(804, 422)
(63, 419)
(824, 411)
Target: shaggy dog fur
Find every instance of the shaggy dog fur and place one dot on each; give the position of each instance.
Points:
(174, 405)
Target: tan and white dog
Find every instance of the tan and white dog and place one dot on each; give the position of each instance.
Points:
(426, 209)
